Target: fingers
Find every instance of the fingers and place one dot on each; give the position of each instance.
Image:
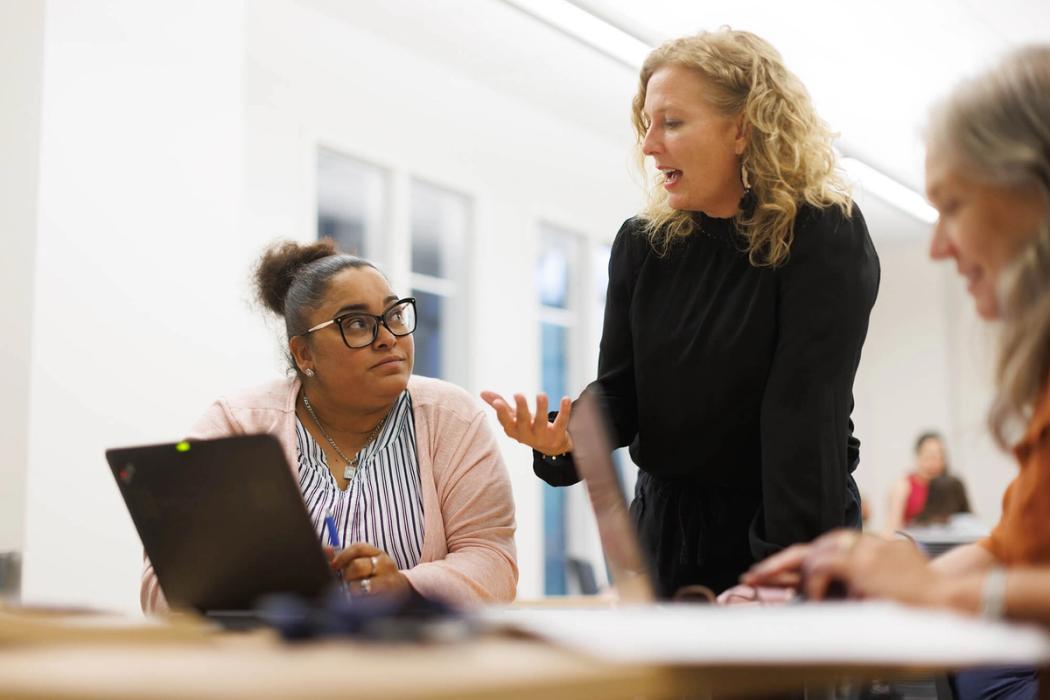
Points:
(828, 570)
(825, 575)
(784, 579)
(534, 430)
(539, 421)
(560, 426)
(393, 583)
(737, 595)
(561, 422)
(782, 566)
(355, 551)
(504, 413)
(743, 594)
(770, 595)
(522, 416)
(498, 403)
(358, 569)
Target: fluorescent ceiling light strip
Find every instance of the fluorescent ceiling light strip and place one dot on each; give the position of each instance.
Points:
(609, 39)
(889, 190)
(588, 28)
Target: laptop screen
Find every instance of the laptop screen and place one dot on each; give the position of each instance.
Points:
(592, 453)
(222, 521)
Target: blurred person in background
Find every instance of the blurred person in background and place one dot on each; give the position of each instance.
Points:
(737, 306)
(988, 175)
(908, 497)
(406, 466)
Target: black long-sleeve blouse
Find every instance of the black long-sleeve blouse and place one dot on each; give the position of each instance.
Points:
(721, 372)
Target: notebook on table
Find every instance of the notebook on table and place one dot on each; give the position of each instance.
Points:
(222, 521)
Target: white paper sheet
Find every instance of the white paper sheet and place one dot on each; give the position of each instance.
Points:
(847, 634)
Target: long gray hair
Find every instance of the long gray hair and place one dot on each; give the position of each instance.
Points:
(998, 125)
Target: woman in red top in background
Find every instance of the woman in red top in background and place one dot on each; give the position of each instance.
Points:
(908, 497)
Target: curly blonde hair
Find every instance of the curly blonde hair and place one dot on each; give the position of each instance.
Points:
(789, 159)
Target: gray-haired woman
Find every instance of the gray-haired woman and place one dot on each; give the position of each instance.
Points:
(988, 174)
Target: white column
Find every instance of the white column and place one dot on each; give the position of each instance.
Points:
(140, 316)
(21, 67)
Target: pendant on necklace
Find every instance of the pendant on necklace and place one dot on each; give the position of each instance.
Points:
(351, 469)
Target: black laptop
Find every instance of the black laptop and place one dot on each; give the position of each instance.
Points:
(222, 521)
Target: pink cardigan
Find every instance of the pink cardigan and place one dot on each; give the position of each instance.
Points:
(468, 511)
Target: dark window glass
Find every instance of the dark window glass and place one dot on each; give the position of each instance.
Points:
(429, 339)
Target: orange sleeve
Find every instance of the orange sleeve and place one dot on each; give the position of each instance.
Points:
(997, 542)
(1022, 536)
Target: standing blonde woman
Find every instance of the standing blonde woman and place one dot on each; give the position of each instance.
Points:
(737, 306)
(988, 174)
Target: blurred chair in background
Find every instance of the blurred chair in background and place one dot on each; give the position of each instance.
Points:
(946, 521)
(581, 572)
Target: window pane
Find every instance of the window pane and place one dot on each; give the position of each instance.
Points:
(554, 286)
(553, 267)
(430, 313)
(439, 225)
(554, 361)
(600, 285)
(349, 202)
(554, 569)
(554, 377)
(349, 235)
(600, 274)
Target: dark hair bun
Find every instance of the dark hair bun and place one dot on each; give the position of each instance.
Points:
(279, 265)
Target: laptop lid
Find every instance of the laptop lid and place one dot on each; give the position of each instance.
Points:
(221, 520)
(592, 454)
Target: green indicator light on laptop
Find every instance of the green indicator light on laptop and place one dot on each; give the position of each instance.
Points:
(182, 447)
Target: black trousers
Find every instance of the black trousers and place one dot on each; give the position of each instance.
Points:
(693, 533)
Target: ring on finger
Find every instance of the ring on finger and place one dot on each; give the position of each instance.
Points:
(848, 541)
(366, 585)
(375, 566)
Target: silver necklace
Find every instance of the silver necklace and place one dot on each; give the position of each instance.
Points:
(350, 471)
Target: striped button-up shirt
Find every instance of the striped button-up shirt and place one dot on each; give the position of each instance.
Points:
(382, 505)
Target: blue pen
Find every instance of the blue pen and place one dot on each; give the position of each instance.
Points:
(333, 533)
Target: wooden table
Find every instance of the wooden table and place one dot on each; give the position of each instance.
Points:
(89, 658)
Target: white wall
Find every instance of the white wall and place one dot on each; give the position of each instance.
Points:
(970, 363)
(926, 365)
(21, 68)
(138, 316)
(178, 139)
(906, 349)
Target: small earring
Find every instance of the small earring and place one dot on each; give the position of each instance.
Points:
(309, 372)
(743, 177)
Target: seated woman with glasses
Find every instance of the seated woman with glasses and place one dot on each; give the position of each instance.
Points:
(406, 466)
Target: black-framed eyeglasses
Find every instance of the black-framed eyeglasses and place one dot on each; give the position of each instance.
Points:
(359, 330)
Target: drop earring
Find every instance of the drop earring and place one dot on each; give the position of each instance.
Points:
(747, 202)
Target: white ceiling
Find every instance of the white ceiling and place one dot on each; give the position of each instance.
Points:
(873, 68)
(494, 43)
